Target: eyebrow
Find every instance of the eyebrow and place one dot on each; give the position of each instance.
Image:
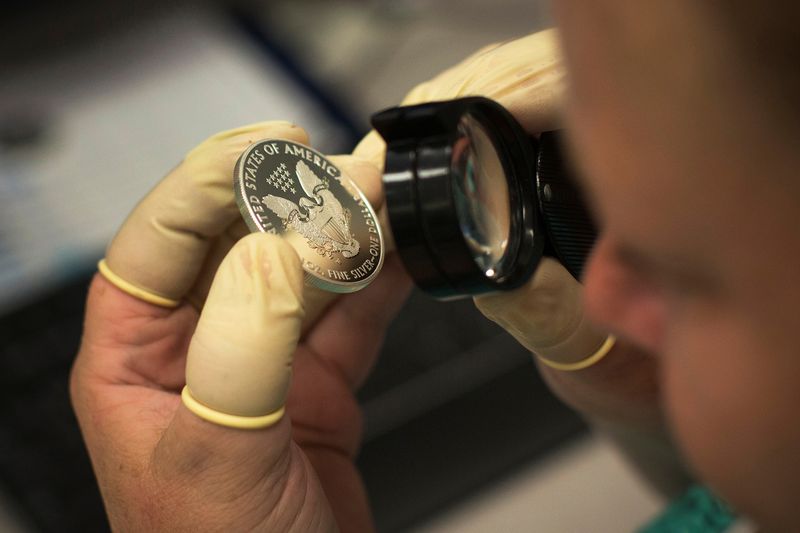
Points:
(633, 257)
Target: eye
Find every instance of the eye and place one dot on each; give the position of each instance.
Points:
(671, 277)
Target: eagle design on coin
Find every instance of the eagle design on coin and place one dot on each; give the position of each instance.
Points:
(318, 216)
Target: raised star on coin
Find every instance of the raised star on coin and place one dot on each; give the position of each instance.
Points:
(287, 188)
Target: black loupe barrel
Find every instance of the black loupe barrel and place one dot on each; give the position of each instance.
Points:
(473, 201)
(571, 230)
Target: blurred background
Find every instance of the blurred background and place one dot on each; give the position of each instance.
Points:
(99, 99)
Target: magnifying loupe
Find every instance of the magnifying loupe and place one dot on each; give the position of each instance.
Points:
(475, 202)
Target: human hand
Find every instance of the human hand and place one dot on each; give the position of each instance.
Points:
(238, 342)
(525, 76)
(546, 315)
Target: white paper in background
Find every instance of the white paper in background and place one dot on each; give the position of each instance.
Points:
(121, 115)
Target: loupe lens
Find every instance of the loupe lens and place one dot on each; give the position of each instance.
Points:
(480, 193)
(462, 182)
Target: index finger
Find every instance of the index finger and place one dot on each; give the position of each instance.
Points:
(162, 245)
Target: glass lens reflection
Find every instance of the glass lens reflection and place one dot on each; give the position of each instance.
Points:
(481, 195)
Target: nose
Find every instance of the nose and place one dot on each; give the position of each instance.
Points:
(621, 300)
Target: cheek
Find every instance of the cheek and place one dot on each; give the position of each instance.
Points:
(696, 401)
(732, 411)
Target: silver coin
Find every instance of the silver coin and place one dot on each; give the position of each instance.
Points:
(288, 189)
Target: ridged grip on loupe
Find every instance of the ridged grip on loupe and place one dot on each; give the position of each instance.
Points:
(570, 229)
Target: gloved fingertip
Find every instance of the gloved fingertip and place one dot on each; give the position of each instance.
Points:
(239, 360)
(372, 148)
(543, 312)
(365, 175)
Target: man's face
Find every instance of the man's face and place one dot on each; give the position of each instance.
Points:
(699, 257)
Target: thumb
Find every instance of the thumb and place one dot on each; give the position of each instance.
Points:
(239, 360)
(546, 315)
(371, 148)
(238, 372)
